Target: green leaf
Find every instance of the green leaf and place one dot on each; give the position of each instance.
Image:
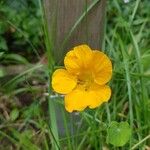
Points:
(14, 114)
(118, 134)
(3, 44)
(1, 54)
(2, 73)
(16, 58)
(145, 61)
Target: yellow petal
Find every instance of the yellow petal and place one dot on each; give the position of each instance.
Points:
(78, 59)
(76, 100)
(100, 95)
(63, 82)
(79, 99)
(102, 67)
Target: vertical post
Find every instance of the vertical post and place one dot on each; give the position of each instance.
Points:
(74, 22)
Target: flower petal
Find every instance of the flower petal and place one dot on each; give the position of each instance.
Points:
(76, 100)
(102, 67)
(63, 82)
(100, 95)
(78, 58)
(79, 99)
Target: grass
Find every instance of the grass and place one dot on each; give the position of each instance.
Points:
(41, 121)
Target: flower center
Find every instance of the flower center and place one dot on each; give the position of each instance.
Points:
(85, 80)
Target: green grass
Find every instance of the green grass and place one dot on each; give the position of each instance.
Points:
(41, 121)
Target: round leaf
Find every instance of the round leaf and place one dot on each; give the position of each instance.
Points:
(118, 134)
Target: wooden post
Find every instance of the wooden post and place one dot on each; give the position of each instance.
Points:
(74, 22)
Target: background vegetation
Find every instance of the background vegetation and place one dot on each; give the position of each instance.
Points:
(29, 109)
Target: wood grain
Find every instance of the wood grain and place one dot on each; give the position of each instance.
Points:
(62, 15)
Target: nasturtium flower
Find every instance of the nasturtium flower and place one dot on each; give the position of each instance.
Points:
(83, 81)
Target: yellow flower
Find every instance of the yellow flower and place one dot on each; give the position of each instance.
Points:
(83, 81)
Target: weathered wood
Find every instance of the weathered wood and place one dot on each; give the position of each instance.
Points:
(63, 14)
